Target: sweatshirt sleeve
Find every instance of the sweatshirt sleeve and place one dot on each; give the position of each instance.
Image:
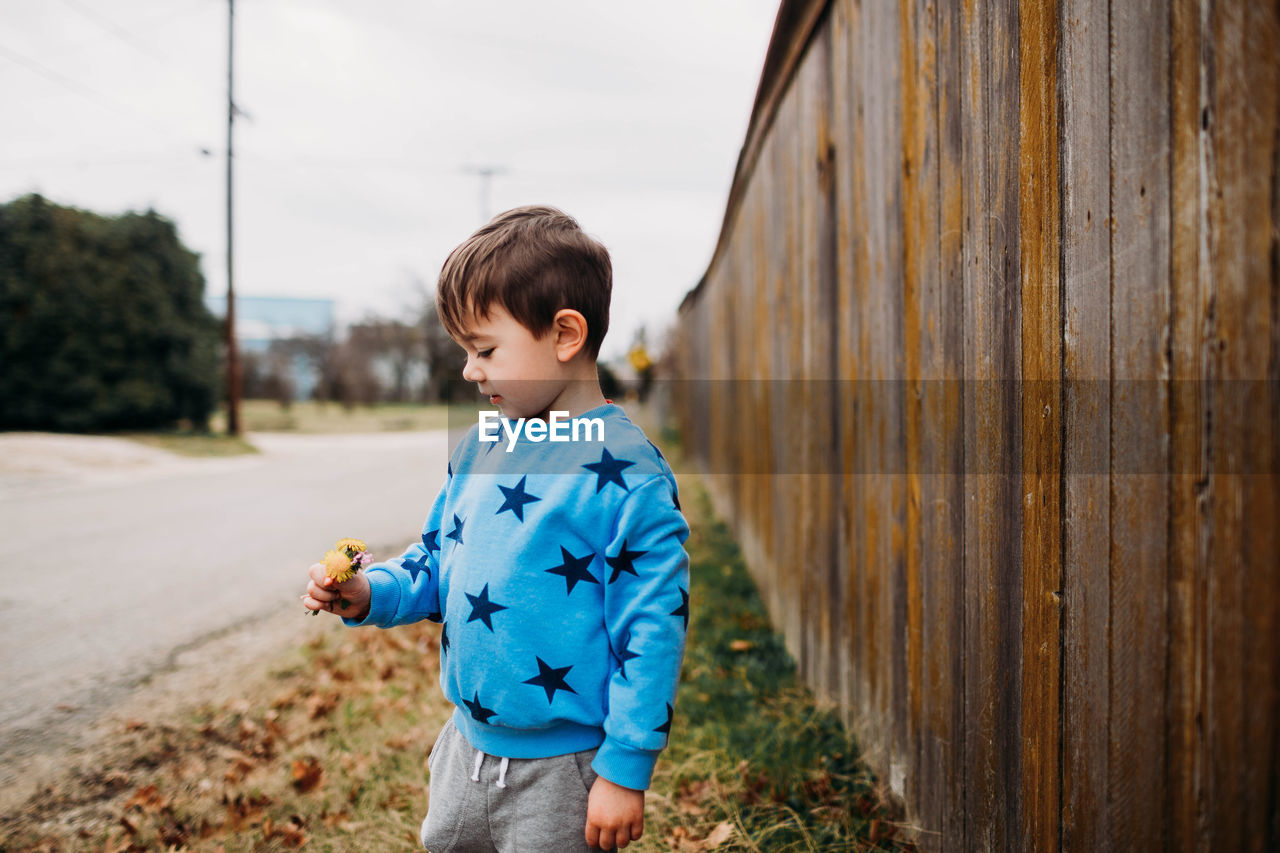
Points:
(646, 616)
(407, 588)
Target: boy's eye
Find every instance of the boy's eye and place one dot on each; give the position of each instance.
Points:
(485, 353)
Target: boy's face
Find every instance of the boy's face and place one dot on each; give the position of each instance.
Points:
(520, 373)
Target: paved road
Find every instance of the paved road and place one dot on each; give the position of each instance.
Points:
(104, 579)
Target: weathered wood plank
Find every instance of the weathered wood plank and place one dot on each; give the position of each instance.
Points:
(992, 426)
(1139, 417)
(1086, 261)
(1040, 216)
(823, 367)
(1259, 336)
(919, 276)
(855, 276)
(1004, 415)
(1225, 352)
(883, 309)
(844, 107)
(945, 418)
(981, 752)
(1186, 709)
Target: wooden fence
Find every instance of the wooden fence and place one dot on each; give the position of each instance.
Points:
(986, 369)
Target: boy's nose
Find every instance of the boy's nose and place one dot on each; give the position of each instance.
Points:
(471, 371)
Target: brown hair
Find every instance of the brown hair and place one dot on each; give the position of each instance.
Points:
(533, 261)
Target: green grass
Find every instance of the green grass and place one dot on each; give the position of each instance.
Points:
(312, 417)
(194, 444)
(751, 753)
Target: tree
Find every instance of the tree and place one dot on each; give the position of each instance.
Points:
(445, 359)
(103, 322)
(397, 346)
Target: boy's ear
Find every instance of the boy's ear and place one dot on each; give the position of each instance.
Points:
(570, 330)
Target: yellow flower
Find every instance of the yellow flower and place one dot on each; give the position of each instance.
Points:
(337, 565)
(351, 547)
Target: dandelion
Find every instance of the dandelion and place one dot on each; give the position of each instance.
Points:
(341, 563)
(351, 547)
(337, 565)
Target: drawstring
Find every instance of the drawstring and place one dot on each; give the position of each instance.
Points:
(502, 770)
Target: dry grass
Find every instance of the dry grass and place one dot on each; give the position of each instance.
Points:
(328, 753)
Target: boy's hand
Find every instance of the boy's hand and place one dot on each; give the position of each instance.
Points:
(324, 594)
(615, 815)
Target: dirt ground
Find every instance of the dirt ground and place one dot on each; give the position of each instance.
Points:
(220, 667)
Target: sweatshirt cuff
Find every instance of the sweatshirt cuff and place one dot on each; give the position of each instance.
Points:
(384, 600)
(625, 765)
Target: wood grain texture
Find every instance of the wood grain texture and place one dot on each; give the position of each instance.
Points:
(919, 276)
(1186, 708)
(883, 313)
(1259, 298)
(1225, 354)
(1045, 586)
(945, 417)
(1140, 318)
(1040, 215)
(1086, 353)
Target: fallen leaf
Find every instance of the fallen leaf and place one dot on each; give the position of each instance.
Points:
(741, 646)
(307, 774)
(721, 834)
(147, 799)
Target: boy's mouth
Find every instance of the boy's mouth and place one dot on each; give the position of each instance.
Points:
(495, 399)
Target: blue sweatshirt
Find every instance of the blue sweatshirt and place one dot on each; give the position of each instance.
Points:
(559, 572)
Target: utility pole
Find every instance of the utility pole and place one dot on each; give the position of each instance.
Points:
(233, 356)
(486, 174)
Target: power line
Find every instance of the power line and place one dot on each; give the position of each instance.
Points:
(116, 30)
(173, 11)
(121, 34)
(100, 98)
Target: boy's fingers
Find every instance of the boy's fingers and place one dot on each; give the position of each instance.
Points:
(320, 594)
(593, 835)
(319, 576)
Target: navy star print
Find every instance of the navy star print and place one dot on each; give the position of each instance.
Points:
(456, 533)
(573, 569)
(482, 608)
(621, 562)
(625, 655)
(608, 470)
(515, 499)
(551, 679)
(444, 639)
(665, 728)
(413, 567)
(431, 540)
(478, 710)
(683, 609)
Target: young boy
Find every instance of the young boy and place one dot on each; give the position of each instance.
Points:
(553, 555)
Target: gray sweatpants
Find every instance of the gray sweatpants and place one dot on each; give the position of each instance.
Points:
(485, 804)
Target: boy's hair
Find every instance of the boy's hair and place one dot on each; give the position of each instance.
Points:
(533, 261)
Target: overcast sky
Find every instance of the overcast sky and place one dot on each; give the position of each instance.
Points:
(362, 119)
